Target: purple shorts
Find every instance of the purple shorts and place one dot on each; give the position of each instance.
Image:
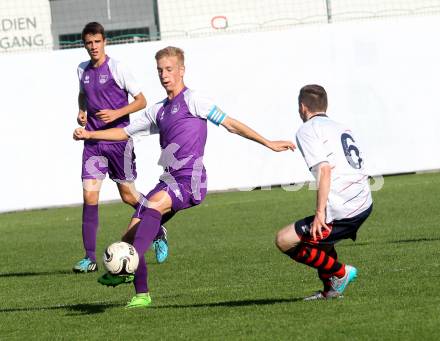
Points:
(185, 191)
(117, 159)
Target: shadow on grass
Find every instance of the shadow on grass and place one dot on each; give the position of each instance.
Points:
(30, 274)
(401, 241)
(99, 308)
(231, 304)
(414, 240)
(74, 309)
(89, 309)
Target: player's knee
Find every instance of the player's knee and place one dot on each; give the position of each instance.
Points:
(161, 209)
(160, 202)
(285, 239)
(129, 199)
(91, 197)
(281, 241)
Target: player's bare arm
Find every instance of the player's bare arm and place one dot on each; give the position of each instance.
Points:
(113, 134)
(82, 116)
(109, 115)
(324, 178)
(236, 127)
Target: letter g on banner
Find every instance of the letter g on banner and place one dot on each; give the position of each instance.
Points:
(219, 22)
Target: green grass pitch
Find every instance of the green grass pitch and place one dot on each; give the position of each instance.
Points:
(224, 278)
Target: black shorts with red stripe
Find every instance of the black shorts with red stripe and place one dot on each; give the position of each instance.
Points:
(339, 229)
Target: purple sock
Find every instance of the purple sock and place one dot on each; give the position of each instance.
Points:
(145, 234)
(90, 229)
(165, 218)
(160, 233)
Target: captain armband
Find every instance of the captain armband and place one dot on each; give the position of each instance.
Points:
(216, 116)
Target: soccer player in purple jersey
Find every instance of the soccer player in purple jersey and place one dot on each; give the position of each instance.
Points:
(343, 200)
(181, 122)
(104, 85)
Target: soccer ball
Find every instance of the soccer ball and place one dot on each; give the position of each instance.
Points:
(121, 258)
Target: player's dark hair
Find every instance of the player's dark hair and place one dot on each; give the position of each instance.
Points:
(92, 28)
(314, 97)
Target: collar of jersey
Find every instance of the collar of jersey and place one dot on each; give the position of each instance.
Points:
(320, 114)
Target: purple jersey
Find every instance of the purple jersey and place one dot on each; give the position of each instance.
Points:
(106, 87)
(181, 123)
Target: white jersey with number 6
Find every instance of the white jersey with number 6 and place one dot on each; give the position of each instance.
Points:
(322, 140)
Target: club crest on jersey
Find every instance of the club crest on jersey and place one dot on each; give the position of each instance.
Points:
(87, 79)
(175, 108)
(103, 79)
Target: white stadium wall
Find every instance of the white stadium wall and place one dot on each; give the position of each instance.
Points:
(382, 80)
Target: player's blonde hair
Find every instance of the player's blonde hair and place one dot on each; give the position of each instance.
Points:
(171, 51)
